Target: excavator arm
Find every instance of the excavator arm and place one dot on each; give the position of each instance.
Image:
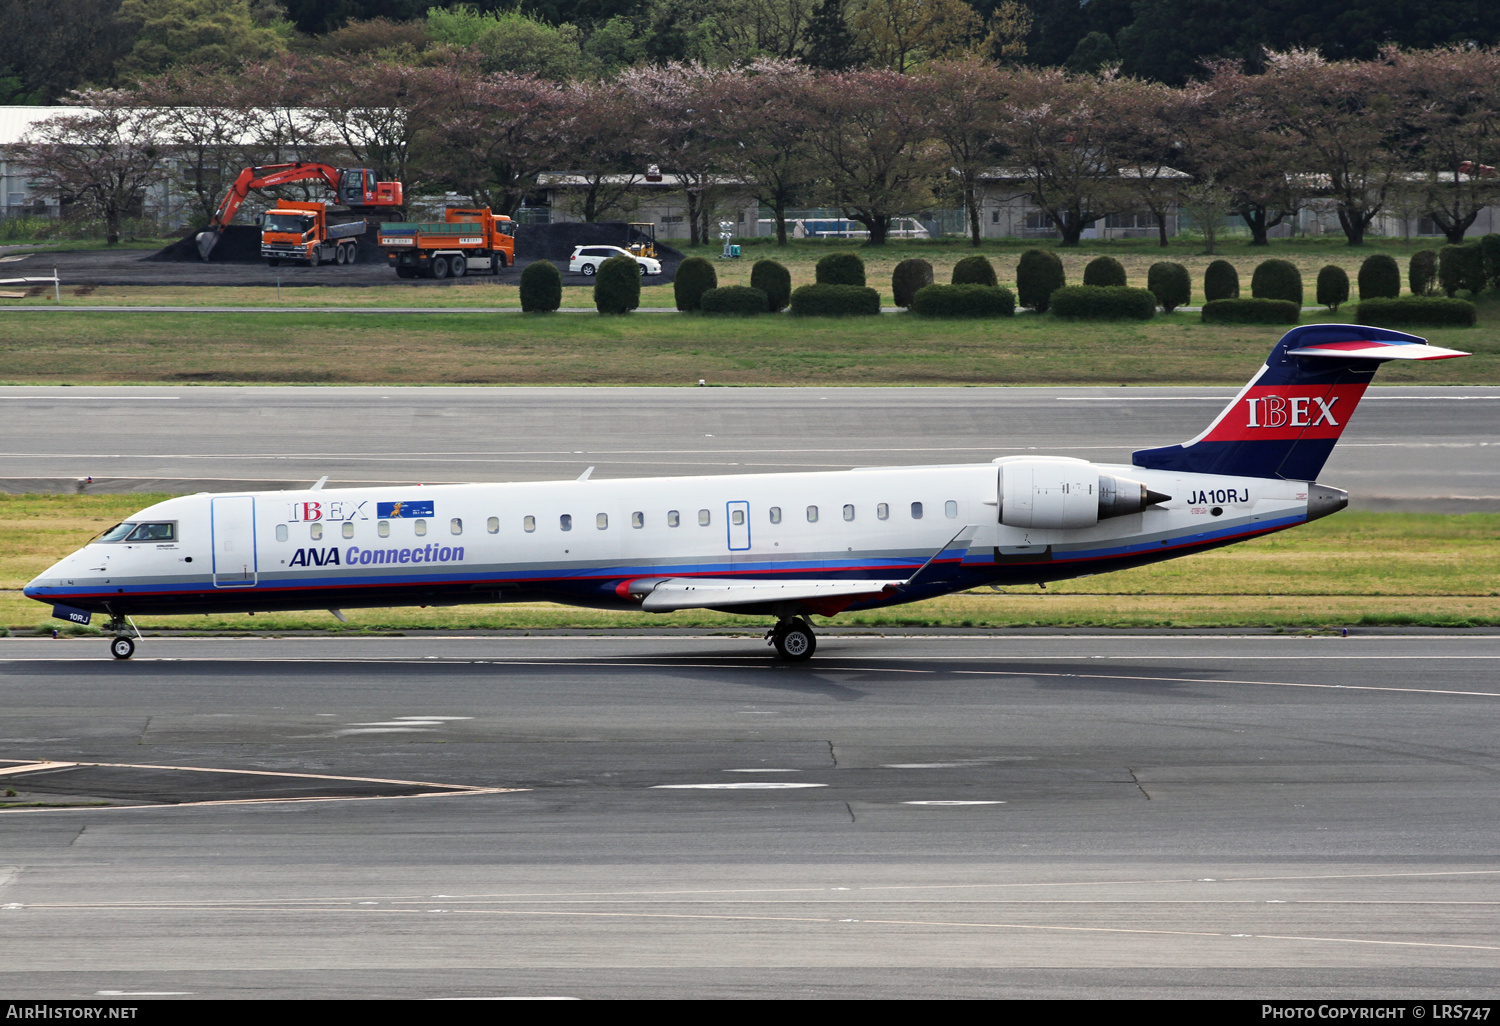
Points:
(355, 188)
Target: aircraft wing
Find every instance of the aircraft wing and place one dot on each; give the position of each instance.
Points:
(702, 592)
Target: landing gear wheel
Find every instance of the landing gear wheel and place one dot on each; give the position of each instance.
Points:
(794, 641)
(458, 266)
(122, 647)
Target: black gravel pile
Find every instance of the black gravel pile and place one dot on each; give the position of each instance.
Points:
(240, 244)
(555, 242)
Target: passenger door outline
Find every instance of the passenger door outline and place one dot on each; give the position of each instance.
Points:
(738, 534)
(231, 534)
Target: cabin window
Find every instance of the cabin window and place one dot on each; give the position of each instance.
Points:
(456, 526)
(281, 532)
(882, 511)
(492, 525)
(421, 528)
(950, 509)
(673, 518)
(737, 517)
(812, 514)
(916, 511)
(528, 524)
(565, 521)
(703, 518)
(152, 533)
(637, 519)
(601, 521)
(848, 512)
(775, 514)
(348, 529)
(315, 532)
(383, 528)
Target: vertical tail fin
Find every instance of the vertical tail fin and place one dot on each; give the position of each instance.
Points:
(1285, 422)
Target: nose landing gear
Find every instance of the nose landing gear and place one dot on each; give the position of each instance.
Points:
(794, 639)
(122, 645)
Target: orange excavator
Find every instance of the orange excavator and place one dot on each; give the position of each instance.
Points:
(355, 188)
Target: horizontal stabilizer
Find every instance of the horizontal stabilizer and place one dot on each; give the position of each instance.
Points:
(700, 593)
(1378, 351)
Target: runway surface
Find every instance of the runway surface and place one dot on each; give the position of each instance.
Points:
(1018, 815)
(1406, 448)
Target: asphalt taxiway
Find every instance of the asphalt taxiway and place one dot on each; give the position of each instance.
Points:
(1409, 448)
(657, 814)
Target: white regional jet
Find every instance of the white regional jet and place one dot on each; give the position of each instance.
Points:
(777, 545)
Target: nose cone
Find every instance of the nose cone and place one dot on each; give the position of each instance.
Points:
(1322, 500)
(44, 586)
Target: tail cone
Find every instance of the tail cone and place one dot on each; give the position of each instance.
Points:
(1322, 500)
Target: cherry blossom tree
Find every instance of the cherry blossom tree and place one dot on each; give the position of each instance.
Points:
(768, 128)
(965, 111)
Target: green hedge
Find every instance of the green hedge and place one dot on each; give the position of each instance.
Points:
(1461, 267)
(1038, 275)
(1416, 311)
(1421, 272)
(841, 269)
(1277, 279)
(1105, 272)
(834, 301)
(1171, 285)
(1379, 277)
(617, 286)
(964, 301)
(975, 270)
(1489, 249)
(694, 277)
(1251, 311)
(1103, 303)
(541, 287)
(1221, 281)
(1333, 286)
(907, 278)
(735, 299)
(775, 281)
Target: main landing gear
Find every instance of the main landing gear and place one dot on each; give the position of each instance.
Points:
(122, 645)
(794, 639)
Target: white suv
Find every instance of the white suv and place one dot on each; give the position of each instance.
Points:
(586, 259)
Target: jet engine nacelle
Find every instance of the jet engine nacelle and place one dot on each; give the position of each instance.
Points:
(1067, 494)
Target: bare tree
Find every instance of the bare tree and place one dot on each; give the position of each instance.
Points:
(103, 156)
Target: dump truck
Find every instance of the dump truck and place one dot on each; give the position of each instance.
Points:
(355, 188)
(468, 238)
(300, 231)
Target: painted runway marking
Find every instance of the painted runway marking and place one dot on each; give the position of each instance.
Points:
(953, 803)
(745, 785)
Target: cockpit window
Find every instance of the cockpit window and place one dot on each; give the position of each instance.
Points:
(153, 533)
(116, 533)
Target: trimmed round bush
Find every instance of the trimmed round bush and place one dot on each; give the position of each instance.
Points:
(1461, 267)
(541, 287)
(1421, 272)
(1277, 279)
(834, 301)
(975, 270)
(1333, 286)
(1251, 311)
(841, 269)
(617, 286)
(775, 281)
(1220, 281)
(1379, 277)
(694, 277)
(907, 278)
(964, 301)
(1104, 271)
(1171, 284)
(734, 299)
(1038, 275)
(1415, 312)
(1489, 249)
(1103, 303)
